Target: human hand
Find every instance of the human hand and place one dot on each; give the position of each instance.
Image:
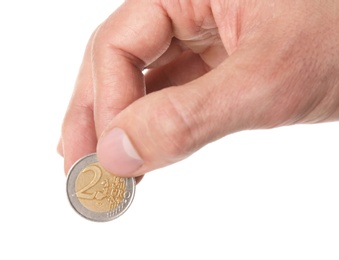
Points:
(214, 68)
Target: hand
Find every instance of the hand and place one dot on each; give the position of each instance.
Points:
(213, 68)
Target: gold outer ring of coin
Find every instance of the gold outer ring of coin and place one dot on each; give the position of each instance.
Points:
(95, 193)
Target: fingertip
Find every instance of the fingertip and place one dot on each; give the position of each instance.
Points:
(60, 147)
(117, 154)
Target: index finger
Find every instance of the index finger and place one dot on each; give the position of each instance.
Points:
(134, 36)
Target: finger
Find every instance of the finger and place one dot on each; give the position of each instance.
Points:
(173, 51)
(60, 148)
(187, 67)
(118, 61)
(78, 131)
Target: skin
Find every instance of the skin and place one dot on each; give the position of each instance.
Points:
(213, 68)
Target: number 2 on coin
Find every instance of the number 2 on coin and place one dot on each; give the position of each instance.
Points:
(97, 175)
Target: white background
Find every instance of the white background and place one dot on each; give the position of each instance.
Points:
(269, 194)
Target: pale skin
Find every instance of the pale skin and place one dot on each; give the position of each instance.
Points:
(214, 68)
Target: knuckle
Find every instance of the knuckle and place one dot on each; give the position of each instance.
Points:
(173, 129)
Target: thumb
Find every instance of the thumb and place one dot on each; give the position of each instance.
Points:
(157, 130)
(168, 125)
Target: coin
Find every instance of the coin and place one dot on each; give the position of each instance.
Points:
(97, 194)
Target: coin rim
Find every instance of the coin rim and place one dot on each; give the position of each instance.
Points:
(73, 173)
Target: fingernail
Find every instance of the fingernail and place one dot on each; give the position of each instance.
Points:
(117, 154)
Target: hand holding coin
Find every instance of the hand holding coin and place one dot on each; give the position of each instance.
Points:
(213, 68)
